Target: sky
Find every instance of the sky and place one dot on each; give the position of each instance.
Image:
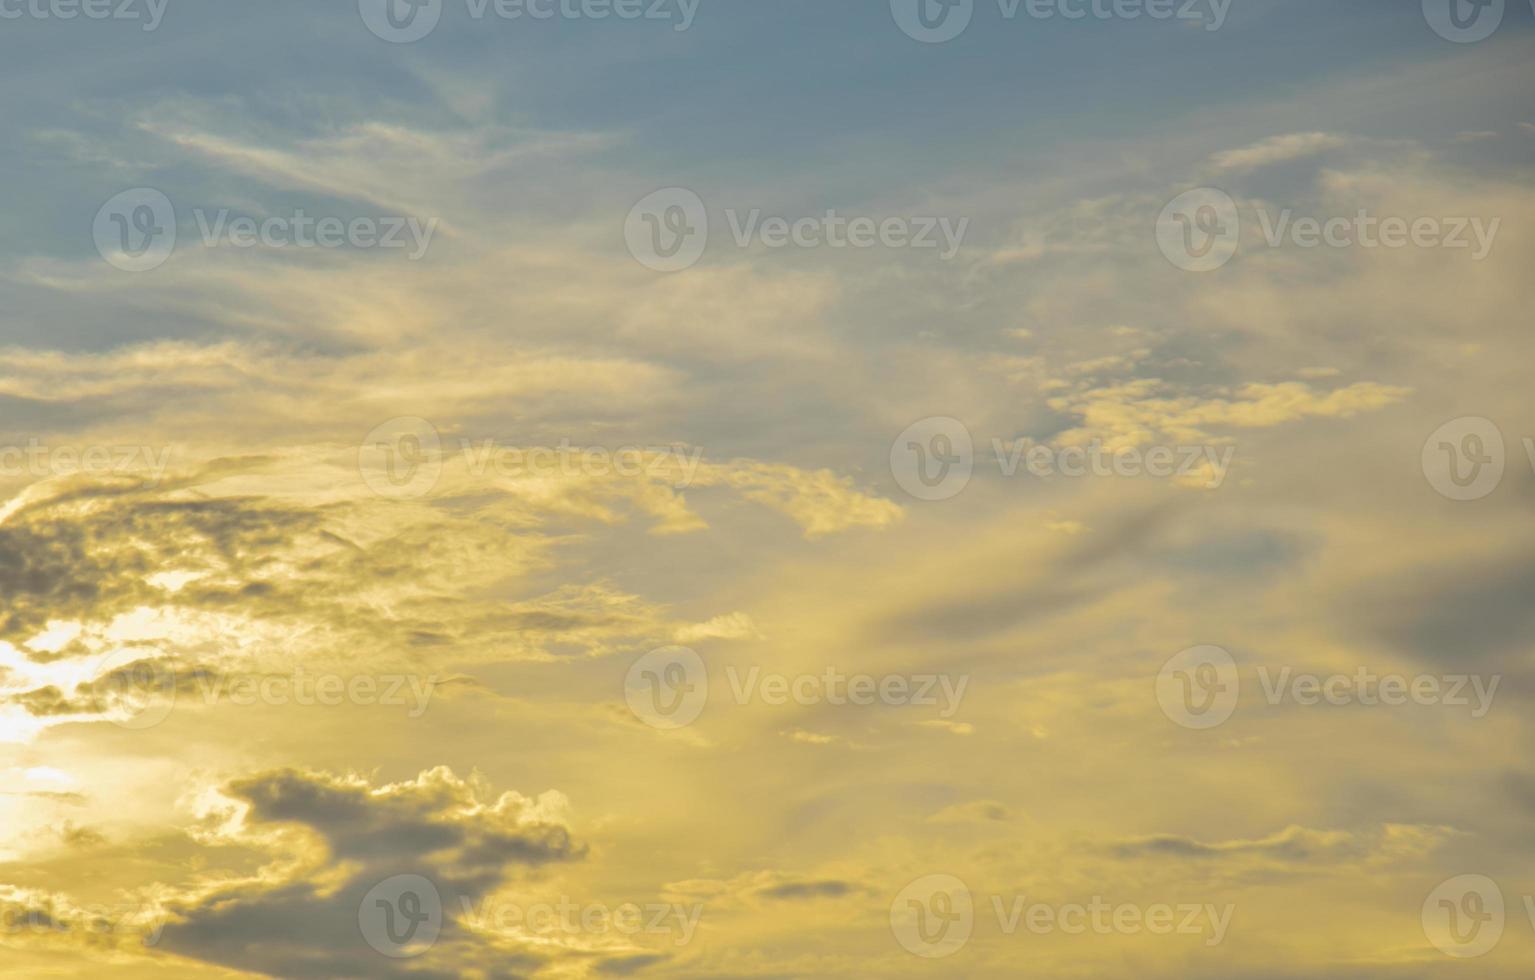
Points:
(703, 489)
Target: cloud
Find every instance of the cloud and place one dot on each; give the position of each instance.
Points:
(1141, 412)
(1299, 846)
(805, 890)
(754, 890)
(301, 919)
(730, 626)
(974, 811)
(1275, 149)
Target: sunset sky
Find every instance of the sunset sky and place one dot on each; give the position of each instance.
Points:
(767, 490)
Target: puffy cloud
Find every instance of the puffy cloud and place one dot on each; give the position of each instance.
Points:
(301, 918)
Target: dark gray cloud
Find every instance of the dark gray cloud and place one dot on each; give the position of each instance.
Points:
(625, 966)
(799, 890)
(1474, 614)
(437, 826)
